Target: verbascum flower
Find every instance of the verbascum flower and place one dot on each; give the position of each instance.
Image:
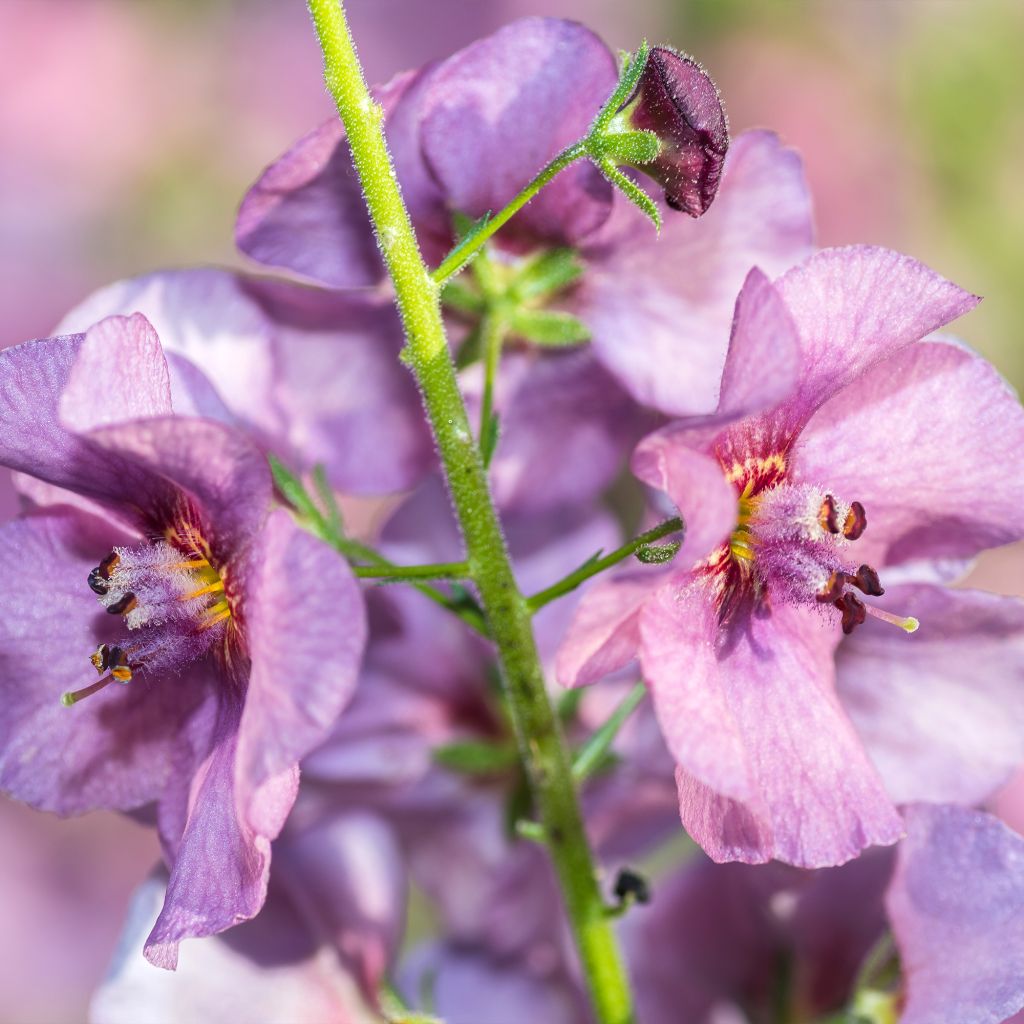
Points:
(842, 447)
(170, 639)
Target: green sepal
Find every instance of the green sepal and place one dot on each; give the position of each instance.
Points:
(548, 327)
(628, 80)
(628, 147)
(457, 296)
(547, 273)
(632, 191)
(471, 757)
(489, 438)
(657, 554)
(292, 489)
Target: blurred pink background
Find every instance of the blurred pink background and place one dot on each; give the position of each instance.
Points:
(129, 131)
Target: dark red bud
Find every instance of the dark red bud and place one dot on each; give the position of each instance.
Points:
(677, 101)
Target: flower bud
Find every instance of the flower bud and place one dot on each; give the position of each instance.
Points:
(677, 101)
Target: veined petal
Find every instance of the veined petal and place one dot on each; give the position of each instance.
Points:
(770, 767)
(305, 645)
(605, 631)
(956, 905)
(853, 307)
(941, 713)
(659, 308)
(221, 864)
(697, 486)
(271, 970)
(928, 441)
(116, 750)
(496, 112)
(119, 374)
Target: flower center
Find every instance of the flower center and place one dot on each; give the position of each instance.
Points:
(791, 543)
(173, 600)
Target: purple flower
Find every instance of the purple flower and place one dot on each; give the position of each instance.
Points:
(677, 101)
(311, 375)
(957, 909)
(317, 952)
(466, 134)
(222, 640)
(839, 447)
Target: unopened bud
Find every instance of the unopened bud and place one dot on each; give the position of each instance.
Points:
(677, 101)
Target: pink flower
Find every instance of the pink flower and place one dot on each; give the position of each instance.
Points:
(840, 446)
(223, 641)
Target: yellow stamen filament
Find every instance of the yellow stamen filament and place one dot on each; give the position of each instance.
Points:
(218, 613)
(211, 588)
(197, 563)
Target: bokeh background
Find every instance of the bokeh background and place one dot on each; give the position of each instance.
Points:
(129, 130)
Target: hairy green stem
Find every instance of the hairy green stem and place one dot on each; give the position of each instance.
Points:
(596, 565)
(538, 731)
(402, 573)
(464, 252)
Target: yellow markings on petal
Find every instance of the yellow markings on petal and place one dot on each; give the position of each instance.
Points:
(756, 465)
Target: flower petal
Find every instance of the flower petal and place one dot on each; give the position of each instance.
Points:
(927, 442)
(221, 864)
(120, 374)
(697, 486)
(957, 908)
(769, 765)
(115, 749)
(270, 970)
(942, 712)
(659, 308)
(856, 305)
(605, 631)
(496, 112)
(307, 629)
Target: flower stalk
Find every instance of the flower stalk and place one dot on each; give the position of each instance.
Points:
(538, 731)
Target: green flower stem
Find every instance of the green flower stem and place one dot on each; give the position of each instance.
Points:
(596, 565)
(593, 751)
(464, 252)
(537, 728)
(492, 337)
(402, 573)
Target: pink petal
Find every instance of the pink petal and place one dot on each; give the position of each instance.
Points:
(605, 631)
(659, 307)
(769, 766)
(697, 486)
(853, 307)
(925, 442)
(940, 712)
(305, 644)
(120, 374)
(957, 908)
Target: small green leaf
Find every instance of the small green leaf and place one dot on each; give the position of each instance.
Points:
(476, 758)
(489, 438)
(333, 519)
(657, 554)
(548, 327)
(457, 296)
(292, 489)
(632, 191)
(549, 272)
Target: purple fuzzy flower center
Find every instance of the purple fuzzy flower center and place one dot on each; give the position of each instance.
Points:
(174, 600)
(792, 543)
